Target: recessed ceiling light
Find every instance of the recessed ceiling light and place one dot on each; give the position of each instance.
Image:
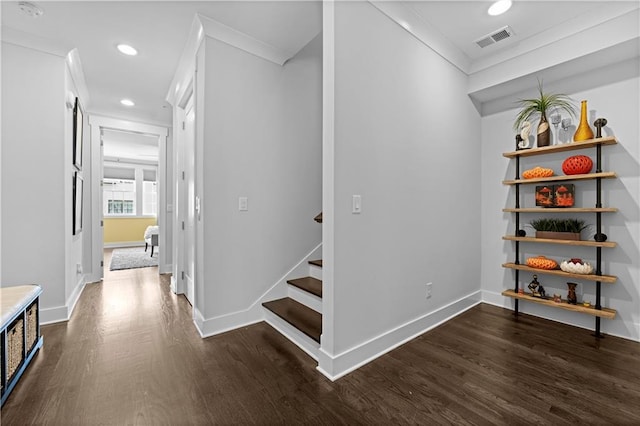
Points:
(30, 9)
(127, 102)
(499, 7)
(127, 50)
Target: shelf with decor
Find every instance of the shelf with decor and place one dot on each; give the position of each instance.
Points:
(542, 176)
(583, 243)
(609, 279)
(562, 210)
(562, 178)
(591, 310)
(572, 146)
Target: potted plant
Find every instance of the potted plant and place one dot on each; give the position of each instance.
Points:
(559, 229)
(540, 105)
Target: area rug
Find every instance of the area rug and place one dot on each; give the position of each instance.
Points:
(131, 258)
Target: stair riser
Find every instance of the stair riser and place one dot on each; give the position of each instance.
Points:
(315, 272)
(309, 300)
(304, 342)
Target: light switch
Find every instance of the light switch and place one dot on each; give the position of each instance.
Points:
(356, 204)
(243, 204)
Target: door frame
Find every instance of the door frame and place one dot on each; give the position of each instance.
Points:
(178, 284)
(98, 124)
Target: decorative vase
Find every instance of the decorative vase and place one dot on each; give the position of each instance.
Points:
(571, 295)
(544, 131)
(583, 132)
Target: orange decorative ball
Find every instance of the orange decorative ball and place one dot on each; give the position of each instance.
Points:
(577, 165)
(541, 262)
(537, 172)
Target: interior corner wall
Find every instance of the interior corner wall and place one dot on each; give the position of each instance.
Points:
(34, 176)
(407, 140)
(259, 131)
(619, 103)
(74, 244)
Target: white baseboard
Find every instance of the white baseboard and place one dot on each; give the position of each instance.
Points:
(336, 366)
(254, 313)
(166, 268)
(63, 313)
(222, 324)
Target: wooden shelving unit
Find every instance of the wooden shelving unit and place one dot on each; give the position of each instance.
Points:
(591, 310)
(598, 277)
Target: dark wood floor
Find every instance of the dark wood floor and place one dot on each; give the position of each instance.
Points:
(131, 355)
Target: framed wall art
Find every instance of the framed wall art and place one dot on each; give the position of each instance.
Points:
(77, 203)
(77, 135)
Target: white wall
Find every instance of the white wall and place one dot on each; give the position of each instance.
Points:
(74, 244)
(407, 139)
(619, 103)
(35, 176)
(257, 136)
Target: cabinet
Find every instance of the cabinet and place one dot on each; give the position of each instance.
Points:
(597, 277)
(20, 336)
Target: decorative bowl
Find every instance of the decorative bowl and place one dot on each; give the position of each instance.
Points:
(576, 268)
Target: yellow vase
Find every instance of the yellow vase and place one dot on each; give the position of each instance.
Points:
(583, 132)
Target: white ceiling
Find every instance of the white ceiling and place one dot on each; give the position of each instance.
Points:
(159, 30)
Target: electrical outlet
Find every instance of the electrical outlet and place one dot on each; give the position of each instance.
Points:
(429, 285)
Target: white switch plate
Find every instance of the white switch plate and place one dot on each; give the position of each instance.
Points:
(356, 204)
(243, 204)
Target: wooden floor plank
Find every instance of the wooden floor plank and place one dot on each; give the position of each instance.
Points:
(131, 355)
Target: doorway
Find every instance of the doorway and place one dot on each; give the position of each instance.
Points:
(105, 125)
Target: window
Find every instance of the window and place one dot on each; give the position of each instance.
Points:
(119, 196)
(149, 198)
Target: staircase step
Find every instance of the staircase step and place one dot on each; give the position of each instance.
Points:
(304, 319)
(318, 218)
(316, 262)
(310, 284)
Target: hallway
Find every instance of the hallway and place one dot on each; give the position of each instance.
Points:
(130, 355)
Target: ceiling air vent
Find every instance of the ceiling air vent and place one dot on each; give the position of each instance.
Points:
(495, 36)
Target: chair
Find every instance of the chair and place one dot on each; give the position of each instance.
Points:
(151, 238)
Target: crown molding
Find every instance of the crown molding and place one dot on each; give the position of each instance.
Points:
(204, 26)
(77, 75)
(412, 22)
(31, 41)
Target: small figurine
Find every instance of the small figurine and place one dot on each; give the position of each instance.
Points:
(571, 296)
(557, 298)
(525, 130)
(533, 285)
(541, 291)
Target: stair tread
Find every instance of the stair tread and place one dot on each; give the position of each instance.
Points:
(304, 319)
(318, 218)
(310, 284)
(316, 262)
